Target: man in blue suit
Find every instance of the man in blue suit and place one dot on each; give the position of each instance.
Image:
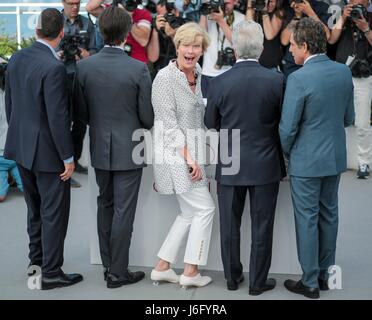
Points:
(39, 140)
(318, 104)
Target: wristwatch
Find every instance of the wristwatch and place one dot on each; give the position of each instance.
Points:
(367, 31)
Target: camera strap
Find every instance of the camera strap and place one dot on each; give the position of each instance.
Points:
(230, 20)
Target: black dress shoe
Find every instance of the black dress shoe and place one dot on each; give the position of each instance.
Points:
(130, 278)
(106, 272)
(63, 280)
(269, 285)
(323, 284)
(299, 288)
(234, 284)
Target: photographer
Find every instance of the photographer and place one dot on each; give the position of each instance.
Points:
(79, 42)
(161, 48)
(353, 34)
(317, 10)
(139, 35)
(7, 167)
(218, 18)
(190, 9)
(270, 15)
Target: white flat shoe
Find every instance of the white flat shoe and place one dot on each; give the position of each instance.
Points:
(166, 275)
(196, 281)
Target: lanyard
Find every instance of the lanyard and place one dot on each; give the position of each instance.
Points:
(230, 20)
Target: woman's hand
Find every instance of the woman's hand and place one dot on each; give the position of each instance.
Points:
(195, 171)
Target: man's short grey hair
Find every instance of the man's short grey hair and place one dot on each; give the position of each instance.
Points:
(248, 40)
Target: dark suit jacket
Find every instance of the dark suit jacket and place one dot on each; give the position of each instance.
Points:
(113, 95)
(36, 102)
(248, 97)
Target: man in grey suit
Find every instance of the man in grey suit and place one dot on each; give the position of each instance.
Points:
(318, 104)
(113, 95)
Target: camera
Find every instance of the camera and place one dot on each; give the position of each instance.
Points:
(225, 57)
(2, 75)
(358, 11)
(70, 46)
(174, 22)
(297, 1)
(129, 5)
(360, 68)
(259, 5)
(212, 6)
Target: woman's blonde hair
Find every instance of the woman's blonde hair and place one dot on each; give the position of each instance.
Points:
(187, 34)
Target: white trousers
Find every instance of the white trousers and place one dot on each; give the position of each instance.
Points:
(194, 223)
(362, 104)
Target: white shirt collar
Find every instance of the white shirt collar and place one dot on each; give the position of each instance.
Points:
(49, 46)
(244, 60)
(118, 47)
(313, 56)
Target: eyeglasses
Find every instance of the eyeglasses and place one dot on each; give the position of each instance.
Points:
(72, 4)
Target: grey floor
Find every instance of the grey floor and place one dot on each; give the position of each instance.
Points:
(354, 255)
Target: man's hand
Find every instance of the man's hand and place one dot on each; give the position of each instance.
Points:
(362, 24)
(69, 169)
(217, 16)
(169, 31)
(346, 11)
(160, 22)
(84, 53)
(306, 8)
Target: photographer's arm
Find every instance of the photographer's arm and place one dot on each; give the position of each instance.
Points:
(363, 26)
(337, 29)
(153, 48)
(94, 7)
(249, 15)
(306, 8)
(271, 27)
(141, 34)
(203, 22)
(219, 18)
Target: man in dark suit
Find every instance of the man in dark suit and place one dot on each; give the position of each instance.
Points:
(318, 104)
(39, 140)
(113, 95)
(247, 98)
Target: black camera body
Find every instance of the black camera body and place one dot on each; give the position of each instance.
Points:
(129, 5)
(70, 46)
(358, 11)
(3, 67)
(259, 5)
(212, 6)
(360, 68)
(174, 22)
(225, 57)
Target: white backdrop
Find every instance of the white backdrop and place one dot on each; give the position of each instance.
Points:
(156, 213)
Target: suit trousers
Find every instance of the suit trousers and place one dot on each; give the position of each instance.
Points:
(362, 102)
(48, 207)
(263, 200)
(194, 223)
(315, 204)
(117, 202)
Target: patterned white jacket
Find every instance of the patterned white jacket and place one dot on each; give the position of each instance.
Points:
(179, 114)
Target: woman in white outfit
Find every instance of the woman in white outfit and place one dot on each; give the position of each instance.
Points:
(179, 111)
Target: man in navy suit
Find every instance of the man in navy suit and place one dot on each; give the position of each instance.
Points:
(318, 104)
(247, 98)
(39, 140)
